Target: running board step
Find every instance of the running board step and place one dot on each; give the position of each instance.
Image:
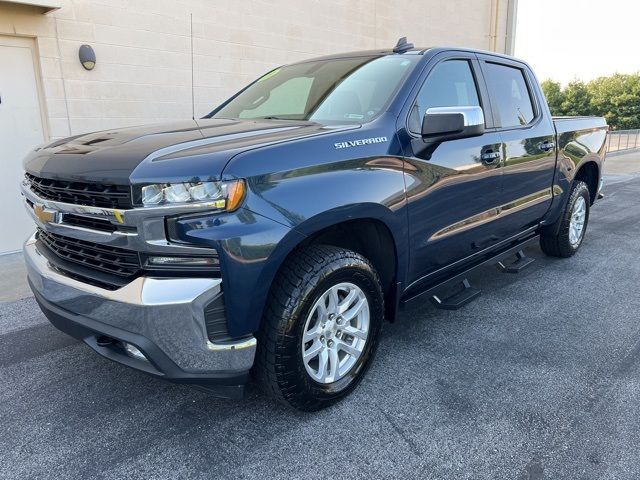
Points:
(468, 293)
(522, 262)
(457, 300)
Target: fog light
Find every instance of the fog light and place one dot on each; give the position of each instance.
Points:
(182, 261)
(133, 352)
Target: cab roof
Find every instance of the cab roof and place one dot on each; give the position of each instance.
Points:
(404, 48)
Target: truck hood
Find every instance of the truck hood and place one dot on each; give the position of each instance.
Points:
(188, 150)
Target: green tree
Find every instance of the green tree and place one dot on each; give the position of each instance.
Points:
(577, 99)
(553, 92)
(617, 98)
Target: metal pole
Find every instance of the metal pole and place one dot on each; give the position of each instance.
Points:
(512, 15)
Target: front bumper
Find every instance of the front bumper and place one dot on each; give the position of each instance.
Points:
(600, 195)
(162, 317)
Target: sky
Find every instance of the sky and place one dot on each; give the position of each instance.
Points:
(578, 39)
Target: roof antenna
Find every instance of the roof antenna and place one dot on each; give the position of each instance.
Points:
(402, 46)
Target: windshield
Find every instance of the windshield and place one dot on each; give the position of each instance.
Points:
(346, 90)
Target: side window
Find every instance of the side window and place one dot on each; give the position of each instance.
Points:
(449, 84)
(509, 95)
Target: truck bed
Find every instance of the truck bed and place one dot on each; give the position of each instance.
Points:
(571, 124)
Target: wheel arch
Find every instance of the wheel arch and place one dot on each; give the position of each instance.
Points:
(366, 229)
(589, 172)
(369, 237)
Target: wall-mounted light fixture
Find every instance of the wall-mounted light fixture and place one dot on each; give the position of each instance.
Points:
(87, 57)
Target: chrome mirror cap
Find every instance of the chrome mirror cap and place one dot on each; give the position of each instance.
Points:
(447, 123)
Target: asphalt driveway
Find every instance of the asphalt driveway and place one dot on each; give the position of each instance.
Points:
(538, 378)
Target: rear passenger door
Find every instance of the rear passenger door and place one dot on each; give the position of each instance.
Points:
(527, 132)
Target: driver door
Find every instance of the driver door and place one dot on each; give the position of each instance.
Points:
(454, 186)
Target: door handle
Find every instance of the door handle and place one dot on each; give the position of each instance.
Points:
(490, 157)
(546, 146)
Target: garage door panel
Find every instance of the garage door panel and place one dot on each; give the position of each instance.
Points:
(20, 131)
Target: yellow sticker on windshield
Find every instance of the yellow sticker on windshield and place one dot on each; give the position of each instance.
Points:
(267, 76)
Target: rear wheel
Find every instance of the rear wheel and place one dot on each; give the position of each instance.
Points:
(321, 327)
(570, 232)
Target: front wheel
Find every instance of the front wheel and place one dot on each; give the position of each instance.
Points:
(321, 327)
(570, 232)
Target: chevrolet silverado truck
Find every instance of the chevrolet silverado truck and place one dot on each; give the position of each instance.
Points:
(270, 239)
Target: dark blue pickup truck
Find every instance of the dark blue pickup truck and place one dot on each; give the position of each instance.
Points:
(271, 238)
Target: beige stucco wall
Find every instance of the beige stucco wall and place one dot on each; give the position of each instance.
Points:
(143, 71)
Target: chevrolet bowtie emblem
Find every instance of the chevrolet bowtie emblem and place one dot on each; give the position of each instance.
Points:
(118, 215)
(44, 215)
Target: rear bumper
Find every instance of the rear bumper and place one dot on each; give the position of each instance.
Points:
(161, 317)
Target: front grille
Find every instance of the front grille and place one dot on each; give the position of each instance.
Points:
(88, 222)
(88, 279)
(103, 258)
(81, 193)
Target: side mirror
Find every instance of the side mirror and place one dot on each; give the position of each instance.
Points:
(448, 123)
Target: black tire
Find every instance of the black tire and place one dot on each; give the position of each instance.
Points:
(279, 368)
(555, 241)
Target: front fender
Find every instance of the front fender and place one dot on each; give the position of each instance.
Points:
(312, 199)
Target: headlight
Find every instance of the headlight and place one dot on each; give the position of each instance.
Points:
(219, 195)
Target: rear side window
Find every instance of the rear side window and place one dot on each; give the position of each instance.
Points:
(509, 95)
(449, 84)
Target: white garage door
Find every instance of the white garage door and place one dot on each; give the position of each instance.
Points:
(20, 130)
